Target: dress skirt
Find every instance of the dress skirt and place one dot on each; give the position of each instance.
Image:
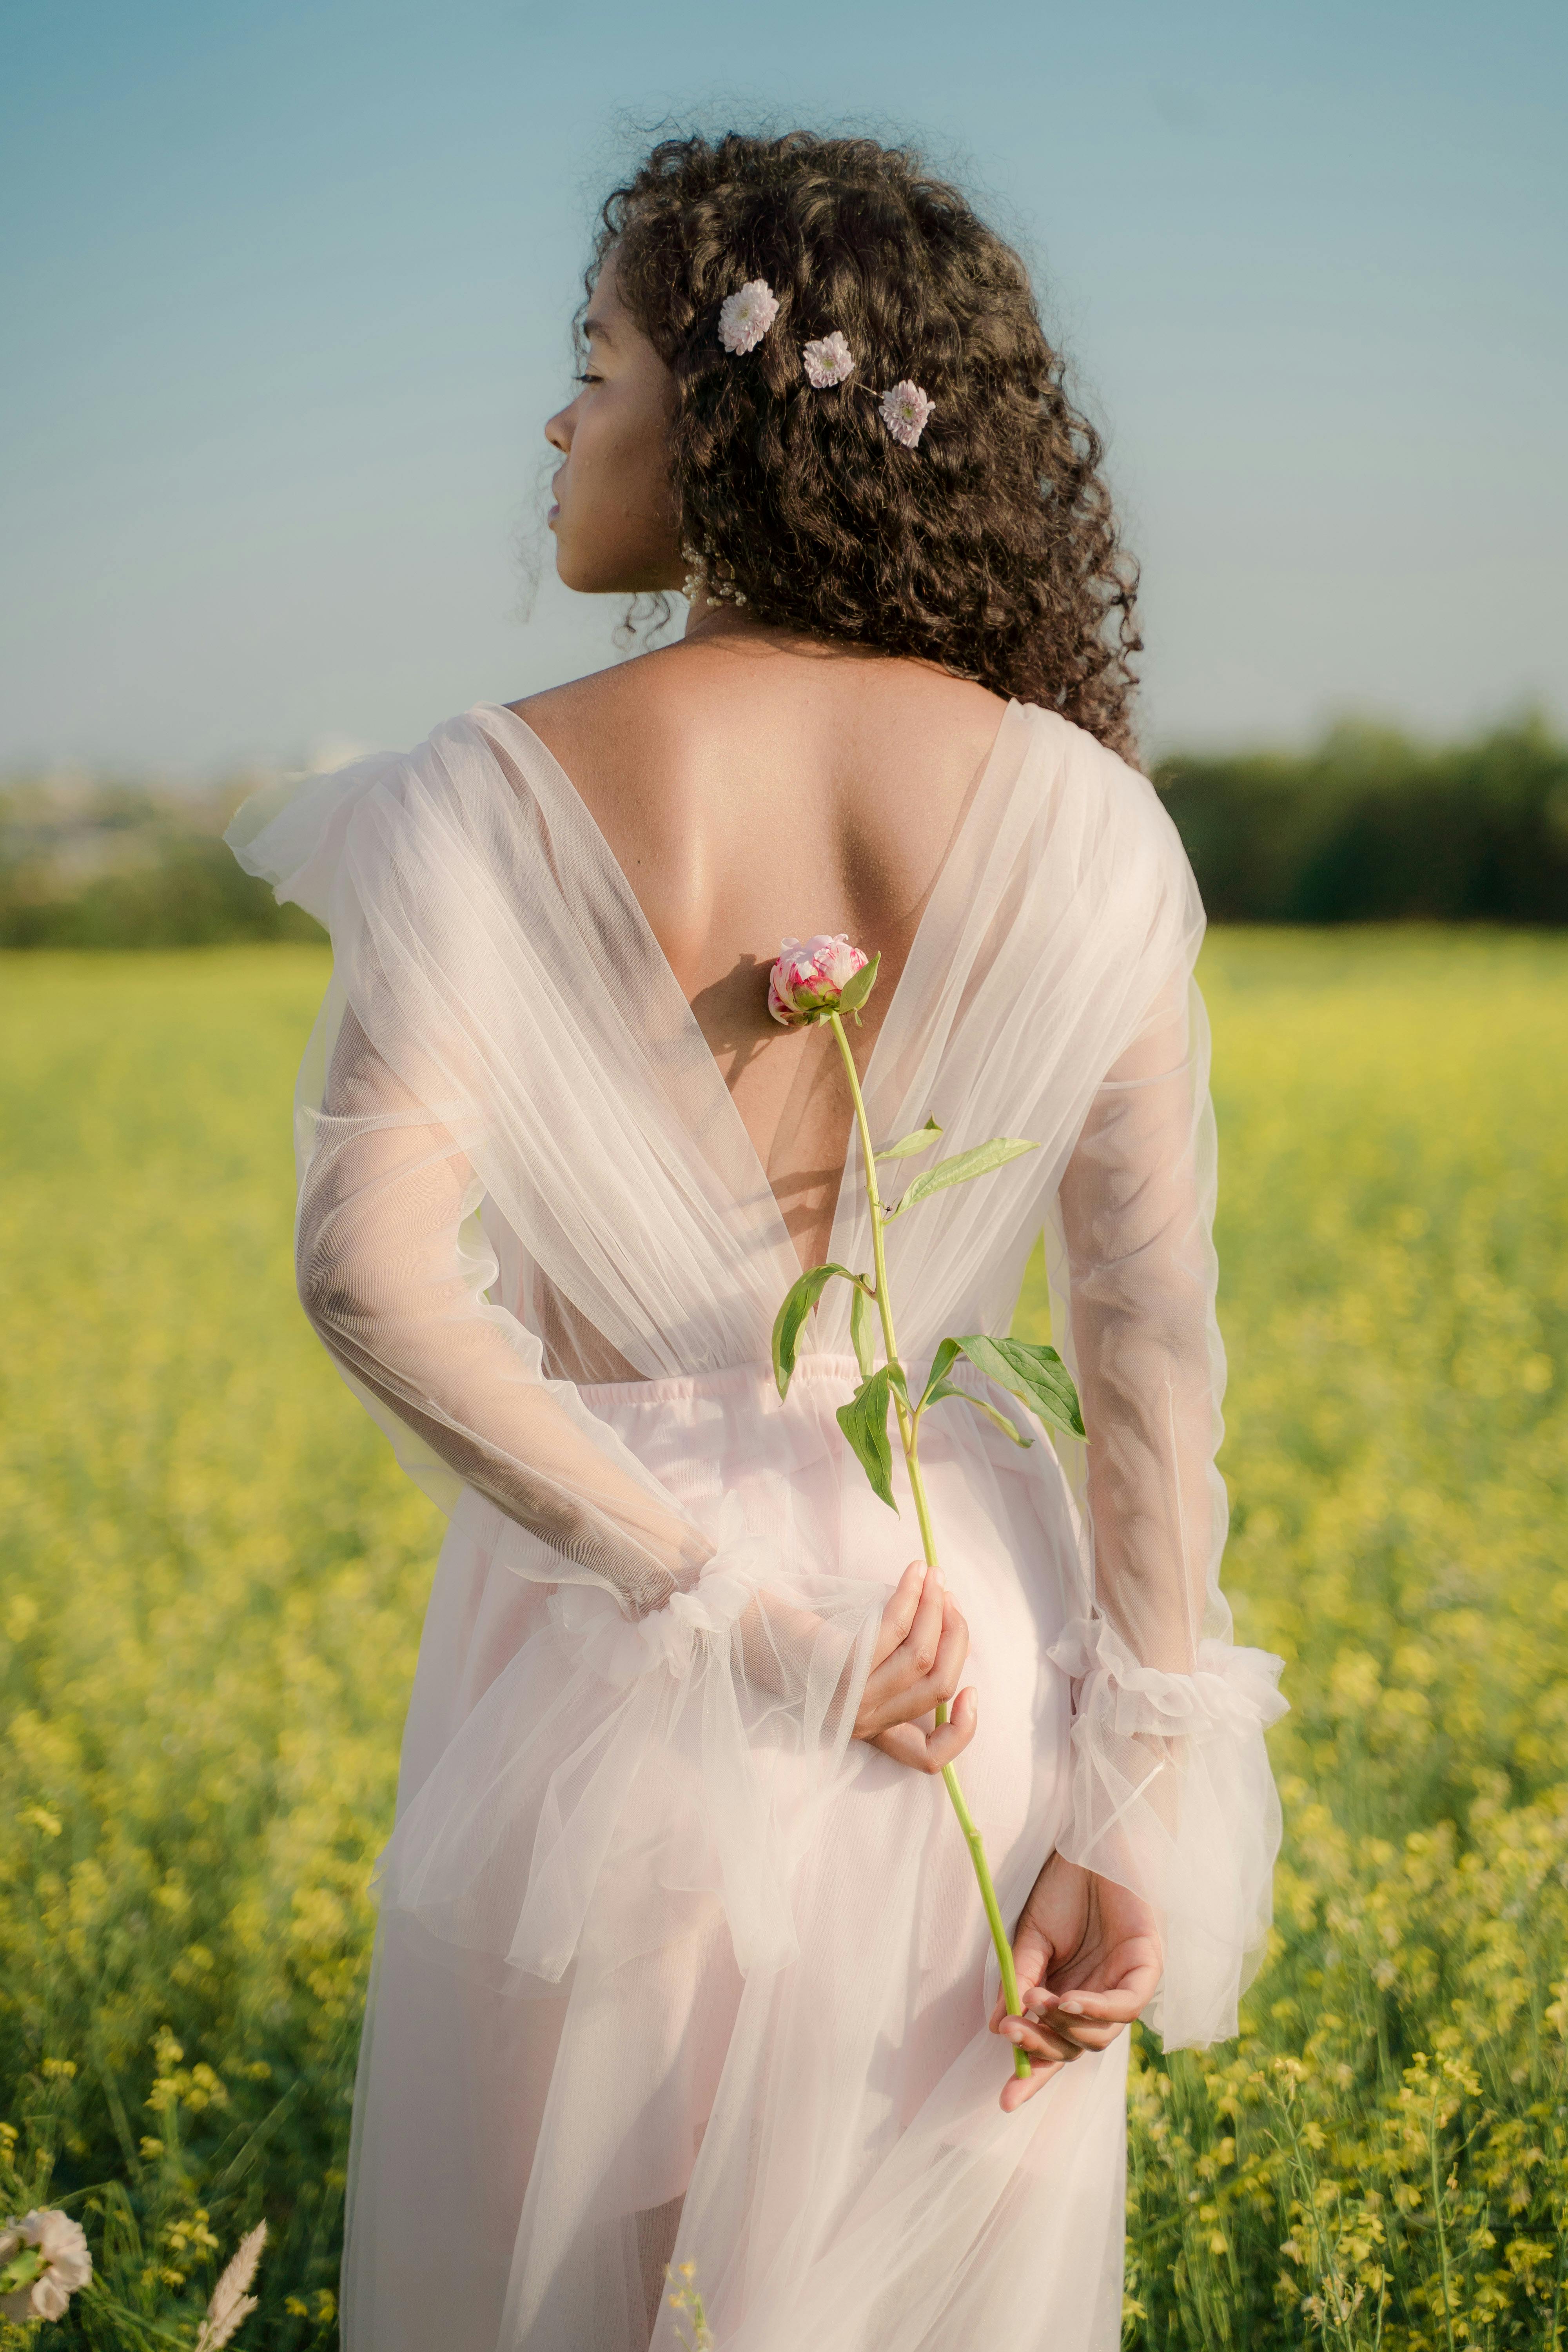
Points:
(576, 2036)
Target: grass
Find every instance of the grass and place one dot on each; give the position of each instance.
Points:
(216, 1575)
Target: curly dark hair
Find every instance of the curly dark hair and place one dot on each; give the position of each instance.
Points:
(990, 549)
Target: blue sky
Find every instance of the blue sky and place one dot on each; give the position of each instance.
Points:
(285, 293)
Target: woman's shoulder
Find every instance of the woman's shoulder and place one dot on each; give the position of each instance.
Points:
(630, 701)
(1107, 811)
(671, 737)
(665, 689)
(378, 811)
(1110, 775)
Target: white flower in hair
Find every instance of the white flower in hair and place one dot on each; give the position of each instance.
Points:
(744, 318)
(829, 361)
(905, 412)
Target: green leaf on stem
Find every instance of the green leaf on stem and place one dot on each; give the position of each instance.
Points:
(864, 1421)
(855, 991)
(1008, 1428)
(909, 1147)
(860, 1331)
(941, 1364)
(1035, 1375)
(984, 1158)
(799, 1300)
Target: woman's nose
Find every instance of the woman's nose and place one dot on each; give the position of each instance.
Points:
(558, 431)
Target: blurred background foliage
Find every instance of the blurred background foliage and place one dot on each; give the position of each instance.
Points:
(94, 862)
(216, 1575)
(1368, 825)
(1371, 826)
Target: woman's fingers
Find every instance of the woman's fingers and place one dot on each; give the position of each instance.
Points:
(915, 1654)
(1132, 1973)
(1048, 2053)
(952, 1650)
(898, 1614)
(1031, 1959)
(1056, 2028)
(924, 1668)
(1037, 2040)
(932, 1751)
(1019, 2087)
(1082, 2032)
(1094, 2016)
(922, 1647)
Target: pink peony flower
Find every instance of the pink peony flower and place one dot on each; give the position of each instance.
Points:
(50, 2251)
(744, 318)
(806, 982)
(905, 412)
(831, 361)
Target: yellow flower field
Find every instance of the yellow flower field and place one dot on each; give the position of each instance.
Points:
(215, 1576)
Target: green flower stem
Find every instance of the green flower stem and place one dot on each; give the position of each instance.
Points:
(909, 1436)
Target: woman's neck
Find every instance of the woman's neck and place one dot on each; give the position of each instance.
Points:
(711, 618)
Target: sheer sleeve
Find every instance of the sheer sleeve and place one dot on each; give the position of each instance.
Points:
(391, 1271)
(472, 1088)
(1172, 1791)
(737, 1649)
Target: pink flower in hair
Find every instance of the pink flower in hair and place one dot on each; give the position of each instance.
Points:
(905, 412)
(831, 361)
(744, 318)
(808, 981)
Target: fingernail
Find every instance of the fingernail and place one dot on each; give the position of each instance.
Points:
(1071, 2006)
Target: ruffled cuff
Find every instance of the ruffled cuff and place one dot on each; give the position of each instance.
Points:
(1172, 1795)
(689, 1749)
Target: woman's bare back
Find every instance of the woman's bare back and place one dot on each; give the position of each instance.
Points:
(750, 791)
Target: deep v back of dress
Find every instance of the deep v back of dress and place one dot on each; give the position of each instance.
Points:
(750, 794)
(654, 1927)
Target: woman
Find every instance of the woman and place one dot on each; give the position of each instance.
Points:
(679, 1958)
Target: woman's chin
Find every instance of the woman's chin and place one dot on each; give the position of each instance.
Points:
(588, 579)
(581, 571)
(581, 578)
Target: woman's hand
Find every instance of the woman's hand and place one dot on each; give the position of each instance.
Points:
(1089, 1959)
(919, 1657)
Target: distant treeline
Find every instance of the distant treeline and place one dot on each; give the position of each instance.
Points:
(88, 864)
(1369, 826)
(1372, 828)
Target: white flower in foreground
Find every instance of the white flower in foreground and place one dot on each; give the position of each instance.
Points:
(829, 361)
(230, 2304)
(806, 982)
(744, 318)
(43, 2259)
(905, 412)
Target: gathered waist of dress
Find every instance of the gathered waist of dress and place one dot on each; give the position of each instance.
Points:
(756, 1379)
(731, 1381)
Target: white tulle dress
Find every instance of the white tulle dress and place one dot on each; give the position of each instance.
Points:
(652, 1926)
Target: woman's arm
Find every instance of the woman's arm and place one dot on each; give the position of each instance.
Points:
(1162, 1872)
(382, 1274)
(1136, 1210)
(384, 1277)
